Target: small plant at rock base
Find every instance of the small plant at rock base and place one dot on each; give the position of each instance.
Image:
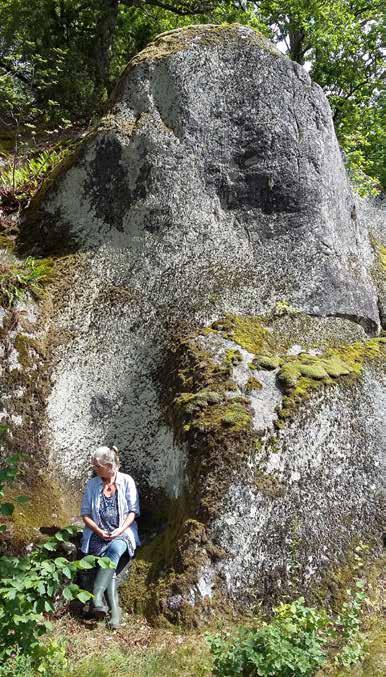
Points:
(292, 644)
(295, 642)
(347, 627)
(19, 277)
(24, 179)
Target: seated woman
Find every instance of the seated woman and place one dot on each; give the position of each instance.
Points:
(109, 508)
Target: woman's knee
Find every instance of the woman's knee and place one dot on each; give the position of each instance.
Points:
(115, 551)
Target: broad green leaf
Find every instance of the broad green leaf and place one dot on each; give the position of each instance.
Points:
(84, 596)
(22, 499)
(6, 508)
(67, 593)
(105, 563)
(83, 564)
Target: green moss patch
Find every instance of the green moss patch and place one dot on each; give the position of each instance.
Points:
(166, 568)
(232, 415)
(303, 374)
(266, 362)
(269, 485)
(209, 35)
(298, 375)
(249, 332)
(48, 506)
(232, 357)
(253, 384)
(188, 403)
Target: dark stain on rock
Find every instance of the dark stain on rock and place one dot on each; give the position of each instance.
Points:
(100, 406)
(108, 184)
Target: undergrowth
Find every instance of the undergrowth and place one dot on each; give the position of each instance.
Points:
(20, 276)
(21, 178)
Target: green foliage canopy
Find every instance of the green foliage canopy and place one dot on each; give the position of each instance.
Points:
(60, 58)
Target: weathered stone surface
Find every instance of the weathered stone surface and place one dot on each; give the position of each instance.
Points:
(306, 484)
(214, 186)
(311, 492)
(218, 170)
(373, 215)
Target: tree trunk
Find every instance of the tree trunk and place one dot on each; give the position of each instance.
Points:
(296, 40)
(104, 36)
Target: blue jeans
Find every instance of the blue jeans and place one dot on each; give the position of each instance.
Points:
(115, 550)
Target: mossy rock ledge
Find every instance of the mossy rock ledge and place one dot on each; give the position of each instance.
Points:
(214, 314)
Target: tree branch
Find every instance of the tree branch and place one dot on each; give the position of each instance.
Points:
(181, 8)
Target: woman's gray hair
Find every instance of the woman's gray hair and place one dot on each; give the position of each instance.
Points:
(106, 455)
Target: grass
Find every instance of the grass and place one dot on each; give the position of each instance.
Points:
(135, 650)
(19, 277)
(146, 663)
(140, 650)
(24, 178)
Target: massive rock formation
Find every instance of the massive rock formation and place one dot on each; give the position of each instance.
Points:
(215, 189)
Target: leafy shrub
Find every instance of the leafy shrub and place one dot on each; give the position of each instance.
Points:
(17, 277)
(291, 645)
(52, 661)
(30, 587)
(295, 642)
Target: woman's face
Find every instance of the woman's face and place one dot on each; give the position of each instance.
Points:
(106, 471)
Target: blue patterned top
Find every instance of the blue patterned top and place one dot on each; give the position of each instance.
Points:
(108, 521)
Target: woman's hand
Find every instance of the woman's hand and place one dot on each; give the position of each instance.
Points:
(104, 534)
(115, 533)
(94, 527)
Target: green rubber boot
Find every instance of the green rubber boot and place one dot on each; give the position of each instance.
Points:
(101, 583)
(115, 610)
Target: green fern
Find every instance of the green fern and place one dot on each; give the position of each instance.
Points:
(26, 177)
(18, 277)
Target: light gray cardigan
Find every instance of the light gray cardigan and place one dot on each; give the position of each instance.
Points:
(127, 502)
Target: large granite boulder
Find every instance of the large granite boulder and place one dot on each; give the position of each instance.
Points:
(214, 188)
